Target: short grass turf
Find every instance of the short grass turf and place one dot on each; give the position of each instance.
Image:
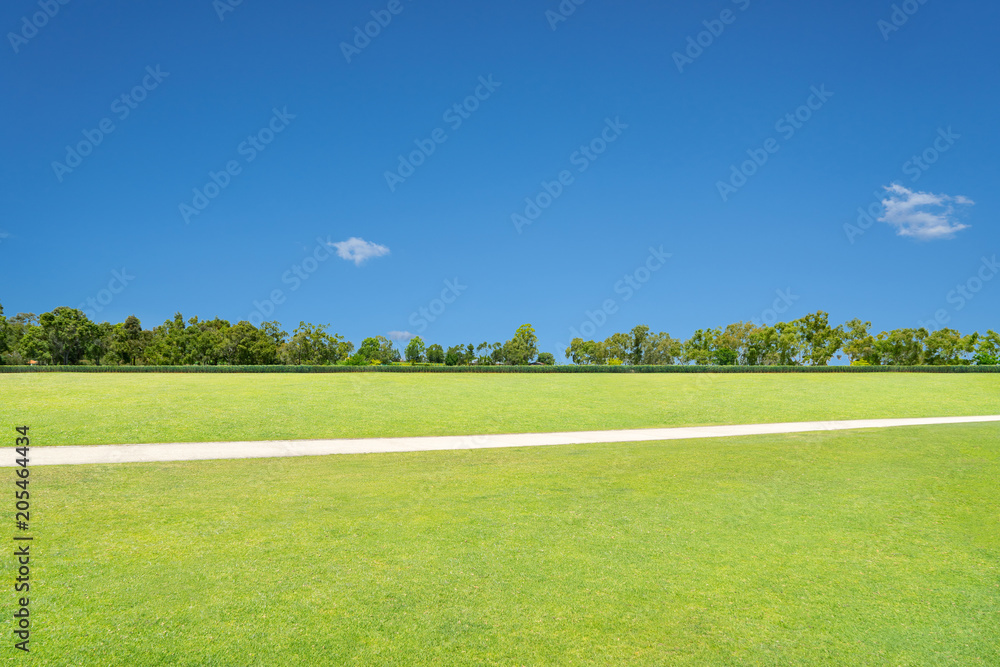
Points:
(68, 409)
(839, 548)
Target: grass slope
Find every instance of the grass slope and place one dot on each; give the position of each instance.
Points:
(111, 409)
(869, 547)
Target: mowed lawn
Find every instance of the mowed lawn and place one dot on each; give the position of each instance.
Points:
(868, 547)
(67, 409)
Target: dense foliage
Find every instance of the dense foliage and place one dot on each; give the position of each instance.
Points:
(66, 337)
(808, 341)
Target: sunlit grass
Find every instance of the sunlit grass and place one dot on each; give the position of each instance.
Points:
(106, 409)
(869, 547)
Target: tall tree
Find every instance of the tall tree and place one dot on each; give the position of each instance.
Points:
(988, 349)
(415, 349)
(127, 341)
(818, 340)
(662, 350)
(523, 347)
(859, 344)
(700, 348)
(435, 354)
(947, 347)
(901, 347)
(637, 345)
(69, 334)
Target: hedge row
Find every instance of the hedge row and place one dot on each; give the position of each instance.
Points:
(499, 369)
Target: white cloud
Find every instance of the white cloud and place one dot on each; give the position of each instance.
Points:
(358, 250)
(922, 215)
(400, 336)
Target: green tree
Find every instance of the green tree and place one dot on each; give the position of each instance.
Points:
(497, 353)
(168, 343)
(988, 349)
(34, 346)
(859, 344)
(100, 344)
(818, 340)
(378, 349)
(274, 332)
(453, 357)
(69, 334)
(637, 347)
(618, 346)
(311, 345)
(725, 356)
(435, 354)
(947, 347)
(546, 358)
(700, 348)
(415, 349)
(662, 350)
(587, 352)
(246, 345)
(127, 342)
(523, 347)
(483, 356)
(787, 346)
(901, 347)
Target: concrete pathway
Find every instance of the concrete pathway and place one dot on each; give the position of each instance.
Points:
(76, 455)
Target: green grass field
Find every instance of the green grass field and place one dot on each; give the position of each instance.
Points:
(869, 547)
(65, 409)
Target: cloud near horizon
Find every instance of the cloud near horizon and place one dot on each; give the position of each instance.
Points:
(922, 215)
(400, 336)
(358, 250)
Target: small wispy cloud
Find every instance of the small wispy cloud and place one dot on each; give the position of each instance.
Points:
(922, 215)
(358, 250)
(400, 336)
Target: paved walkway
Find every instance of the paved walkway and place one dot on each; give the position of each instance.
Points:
(76, 455)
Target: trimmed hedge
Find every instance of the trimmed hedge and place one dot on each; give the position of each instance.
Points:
(499, 369)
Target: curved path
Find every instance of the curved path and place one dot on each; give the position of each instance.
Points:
(75, 455)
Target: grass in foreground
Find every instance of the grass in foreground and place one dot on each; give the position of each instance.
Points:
(868, 547)
(65, 409)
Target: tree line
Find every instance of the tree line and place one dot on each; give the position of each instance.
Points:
(808, 341)
(66, 336)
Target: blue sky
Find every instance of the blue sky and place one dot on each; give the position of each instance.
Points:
(641, 136)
